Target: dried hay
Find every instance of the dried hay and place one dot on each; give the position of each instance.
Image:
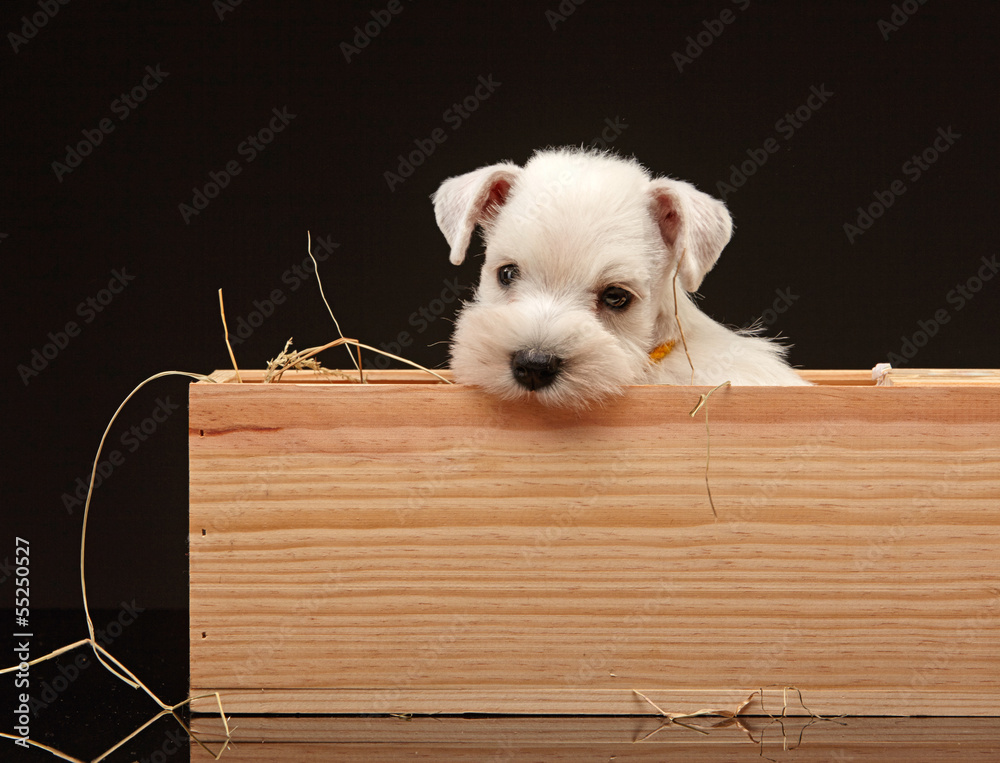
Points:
(306, 360)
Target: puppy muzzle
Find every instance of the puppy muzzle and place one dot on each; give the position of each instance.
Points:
(534, 369)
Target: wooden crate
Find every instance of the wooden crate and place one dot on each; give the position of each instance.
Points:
(412, 547)
(600, 740)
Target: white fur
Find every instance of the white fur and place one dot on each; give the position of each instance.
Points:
(576, 222)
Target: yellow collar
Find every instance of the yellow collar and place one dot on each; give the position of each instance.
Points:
(659, 353)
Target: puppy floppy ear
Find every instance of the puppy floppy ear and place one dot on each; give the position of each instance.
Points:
(692, 224)
(465, 201)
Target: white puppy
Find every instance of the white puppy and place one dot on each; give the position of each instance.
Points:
(584, 255)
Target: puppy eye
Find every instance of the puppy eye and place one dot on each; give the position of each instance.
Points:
(507, 274)
(616, 298)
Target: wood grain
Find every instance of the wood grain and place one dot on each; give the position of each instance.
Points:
(839, 377)
(580, 740)
(413, 548)
(934, 377)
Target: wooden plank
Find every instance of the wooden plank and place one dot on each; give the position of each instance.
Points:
(582, 731)
(336, 376)
(458, 700)
(413, 376)
(909, 740)
(839, 377)
(423, 548)
(935, 377)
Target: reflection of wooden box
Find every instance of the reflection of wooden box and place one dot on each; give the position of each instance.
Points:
(313, 739)
(420, 548)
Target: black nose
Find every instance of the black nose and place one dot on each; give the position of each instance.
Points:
(534, 369)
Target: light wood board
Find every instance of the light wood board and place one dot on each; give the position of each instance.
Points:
(621, 740)
(416, 548)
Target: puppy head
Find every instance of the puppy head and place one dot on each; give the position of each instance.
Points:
(575, 290)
